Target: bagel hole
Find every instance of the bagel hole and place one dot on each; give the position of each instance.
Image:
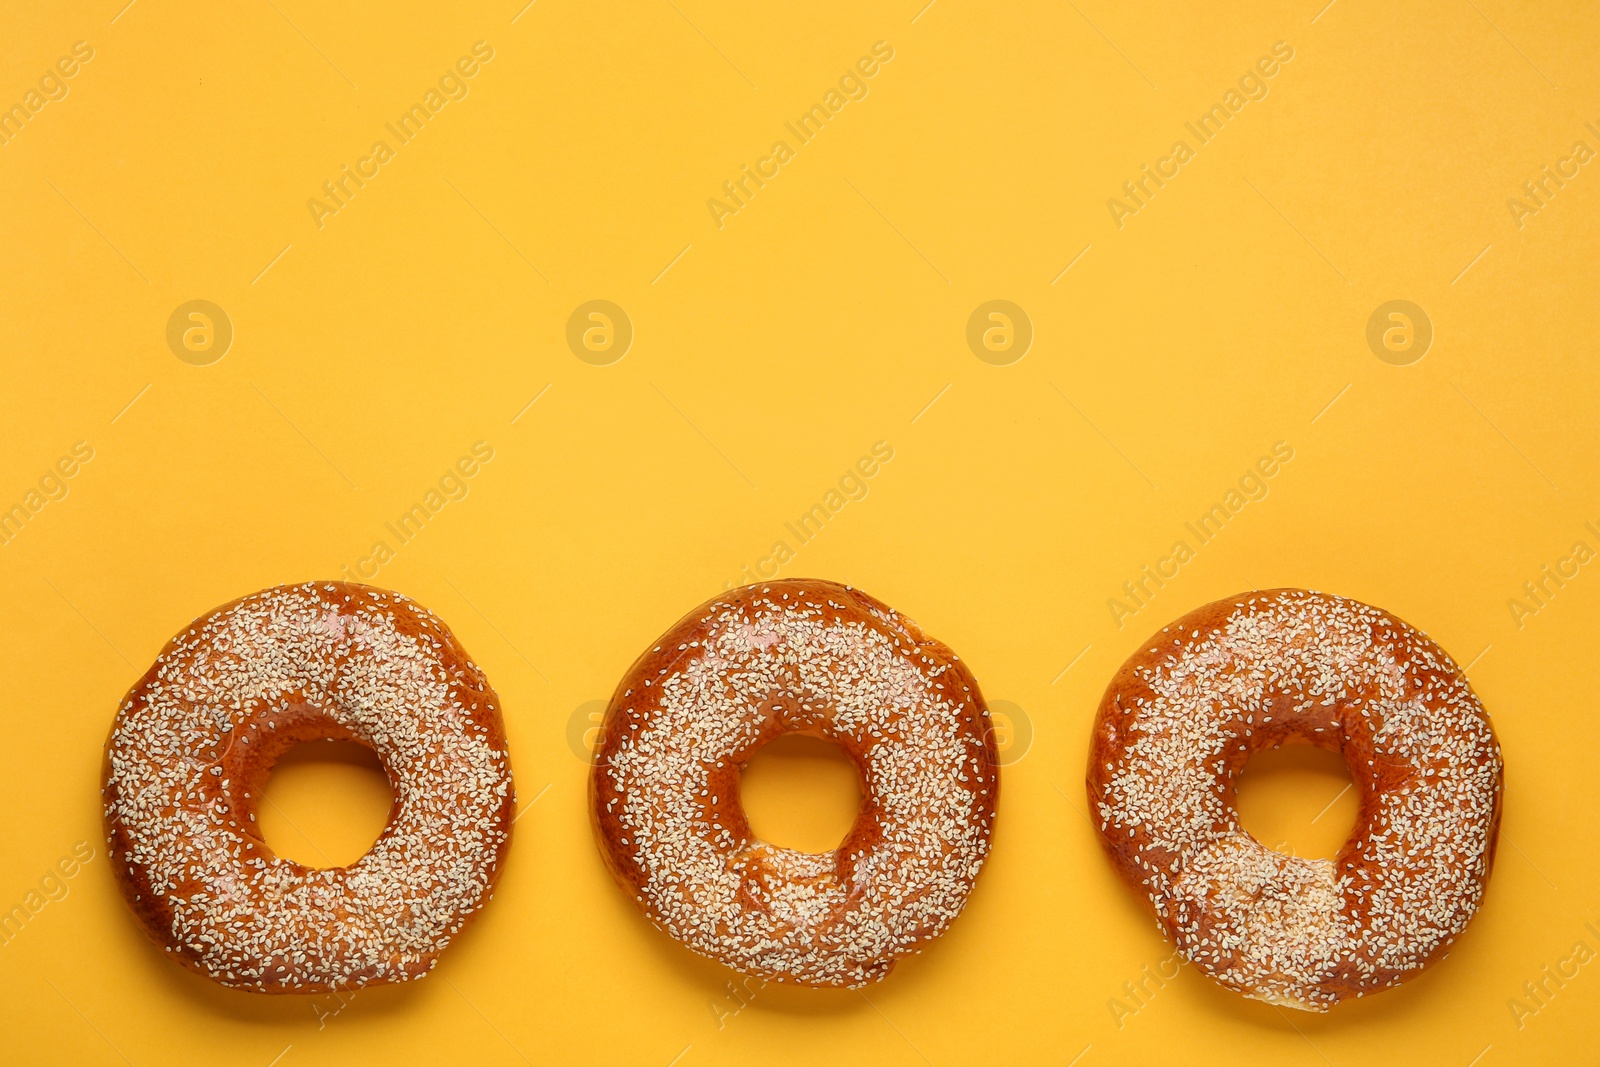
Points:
(801, 792)
(1298, 799)
(325, 803)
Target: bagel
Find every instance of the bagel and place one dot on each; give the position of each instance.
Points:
(1184, 715)
(746, 667)
(196, 738)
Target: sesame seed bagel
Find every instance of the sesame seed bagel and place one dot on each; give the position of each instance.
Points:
(193, 744)
(1260, 670)
(811, 657)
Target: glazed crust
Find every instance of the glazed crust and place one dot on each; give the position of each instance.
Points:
(196, 738)
(1184, 715)
(796, 656)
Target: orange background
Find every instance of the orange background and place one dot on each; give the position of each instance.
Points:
(374, 345)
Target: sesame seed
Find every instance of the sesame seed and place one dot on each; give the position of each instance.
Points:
(271, 670)
(812, 657)
(1173, 734)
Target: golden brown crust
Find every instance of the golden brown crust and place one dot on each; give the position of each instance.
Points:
(1183, 716)
(196, 739)
(757, 662)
